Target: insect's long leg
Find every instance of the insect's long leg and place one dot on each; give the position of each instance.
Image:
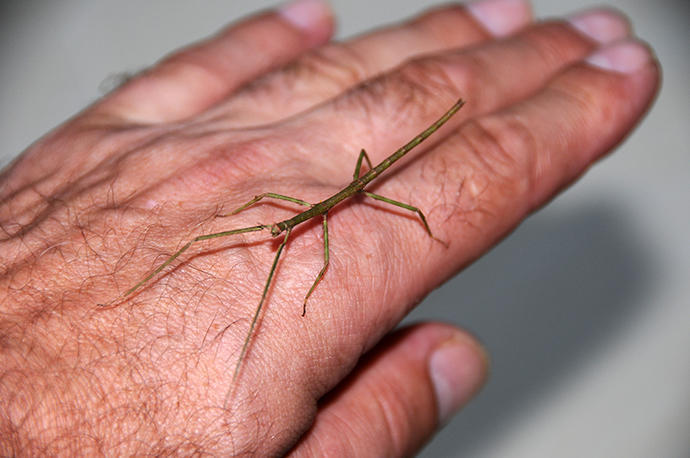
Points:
(261, 304)
(406, 207)
(358, 167)
(185, 248)
(272, 195)
(325, 263)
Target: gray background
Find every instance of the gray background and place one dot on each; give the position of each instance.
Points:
(585, 308)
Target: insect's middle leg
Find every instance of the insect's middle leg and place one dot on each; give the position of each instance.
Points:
(406, 207)
(358, 167)
(325, 264)
(271, 195)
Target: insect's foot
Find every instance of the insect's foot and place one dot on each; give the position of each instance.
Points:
(442, 242)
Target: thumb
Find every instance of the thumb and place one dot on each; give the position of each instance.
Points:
(409, 386)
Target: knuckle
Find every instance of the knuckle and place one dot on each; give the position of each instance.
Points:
(188, 62)
(467, 74)
(339, 65)
(554, 42)
(426, 77)
(504, 148)
(490, 167)
(415, 88)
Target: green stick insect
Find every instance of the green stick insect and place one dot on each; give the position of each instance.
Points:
(320, 209)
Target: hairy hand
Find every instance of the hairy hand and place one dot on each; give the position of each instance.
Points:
(268, 106)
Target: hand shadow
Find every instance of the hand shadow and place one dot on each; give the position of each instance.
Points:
(548, 297)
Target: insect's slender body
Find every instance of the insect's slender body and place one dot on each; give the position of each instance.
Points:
(358, 184)
(319, 209)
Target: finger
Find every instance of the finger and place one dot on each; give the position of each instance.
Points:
(327, 71)
(399, 395)
(488, 77)
(484, 178)
(194, 78)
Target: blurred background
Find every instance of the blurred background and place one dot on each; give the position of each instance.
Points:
(585, 309)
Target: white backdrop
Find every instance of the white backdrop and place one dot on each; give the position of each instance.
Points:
(585, 309)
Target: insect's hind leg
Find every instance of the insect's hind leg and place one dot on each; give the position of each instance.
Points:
(325, 264)
(406, 207)
(184, 248)
(271, 195)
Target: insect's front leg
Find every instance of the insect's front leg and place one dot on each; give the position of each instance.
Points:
(270, 195)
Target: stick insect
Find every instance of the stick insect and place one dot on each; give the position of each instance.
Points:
(319, 209)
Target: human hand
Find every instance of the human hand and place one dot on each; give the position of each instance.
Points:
(96, 204)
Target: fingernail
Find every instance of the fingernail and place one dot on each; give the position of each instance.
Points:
(622, 57)
(305, 14)
(458, 369)
(501, 17)
(601, 24)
